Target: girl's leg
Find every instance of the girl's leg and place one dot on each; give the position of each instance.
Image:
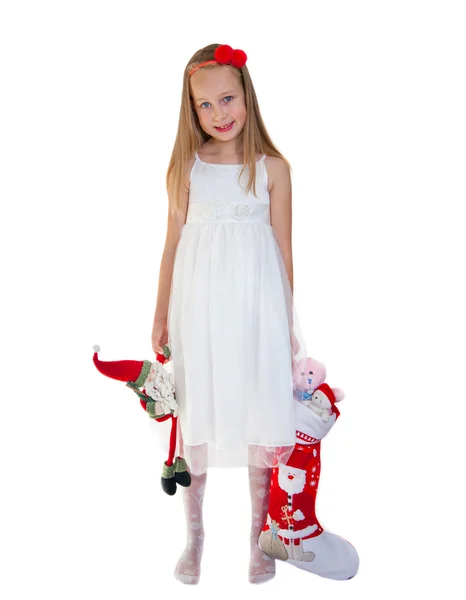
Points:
(188, 568)
(261, 566)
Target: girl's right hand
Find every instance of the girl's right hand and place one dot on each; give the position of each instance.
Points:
(159, 335)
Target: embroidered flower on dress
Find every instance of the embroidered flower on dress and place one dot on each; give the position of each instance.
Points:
(225, 210)
(241, 211)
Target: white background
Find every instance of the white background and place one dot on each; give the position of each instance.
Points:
(366, 100)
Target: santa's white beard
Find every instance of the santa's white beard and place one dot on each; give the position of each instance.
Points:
(294, 485)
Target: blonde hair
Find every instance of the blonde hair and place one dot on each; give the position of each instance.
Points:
(190, 135)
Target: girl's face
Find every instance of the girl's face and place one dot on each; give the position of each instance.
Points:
(218, 99)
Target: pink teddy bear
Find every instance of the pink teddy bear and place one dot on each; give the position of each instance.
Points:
(308, 375)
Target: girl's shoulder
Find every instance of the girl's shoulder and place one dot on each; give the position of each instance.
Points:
(275, 167)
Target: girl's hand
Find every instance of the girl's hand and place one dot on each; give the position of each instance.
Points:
(159, 335)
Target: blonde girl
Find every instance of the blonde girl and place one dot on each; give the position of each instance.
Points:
(225, 296)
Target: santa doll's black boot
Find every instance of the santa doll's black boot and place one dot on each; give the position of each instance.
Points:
(168, 479)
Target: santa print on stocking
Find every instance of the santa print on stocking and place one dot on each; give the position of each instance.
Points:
(292, 499)
(292, 532)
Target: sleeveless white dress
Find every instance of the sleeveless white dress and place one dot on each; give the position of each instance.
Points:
(230, 318)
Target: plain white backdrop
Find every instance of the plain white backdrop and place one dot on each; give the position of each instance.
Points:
(366, 99)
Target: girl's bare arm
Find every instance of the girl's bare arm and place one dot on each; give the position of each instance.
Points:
(174, 227)
(280, 210)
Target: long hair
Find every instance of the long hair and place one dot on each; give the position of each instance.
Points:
(190, 135)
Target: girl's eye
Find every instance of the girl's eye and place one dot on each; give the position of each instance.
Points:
(202, 105)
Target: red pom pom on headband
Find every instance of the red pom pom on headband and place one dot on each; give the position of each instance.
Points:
(224, 55)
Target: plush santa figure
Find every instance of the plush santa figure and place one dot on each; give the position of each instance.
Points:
(292, 532)
(156, 391)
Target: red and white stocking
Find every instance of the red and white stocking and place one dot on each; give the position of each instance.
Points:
(292, 532)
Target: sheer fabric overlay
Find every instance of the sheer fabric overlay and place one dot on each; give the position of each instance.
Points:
(244, 451)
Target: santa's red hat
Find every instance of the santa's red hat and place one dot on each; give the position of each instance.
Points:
(135, 371)
(328, 392)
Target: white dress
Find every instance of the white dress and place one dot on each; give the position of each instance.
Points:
(229, 320)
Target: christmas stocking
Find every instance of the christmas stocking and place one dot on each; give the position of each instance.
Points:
(292, 532)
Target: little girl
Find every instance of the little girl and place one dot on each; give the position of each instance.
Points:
(225, 299)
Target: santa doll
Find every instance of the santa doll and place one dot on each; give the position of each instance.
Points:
(154, 386)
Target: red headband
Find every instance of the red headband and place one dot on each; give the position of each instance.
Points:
(224, 55)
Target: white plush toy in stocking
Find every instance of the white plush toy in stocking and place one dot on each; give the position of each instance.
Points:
(292, 532)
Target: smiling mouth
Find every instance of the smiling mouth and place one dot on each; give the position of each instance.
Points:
(225, 126)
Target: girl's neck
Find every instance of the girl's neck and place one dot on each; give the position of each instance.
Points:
(225, 150)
